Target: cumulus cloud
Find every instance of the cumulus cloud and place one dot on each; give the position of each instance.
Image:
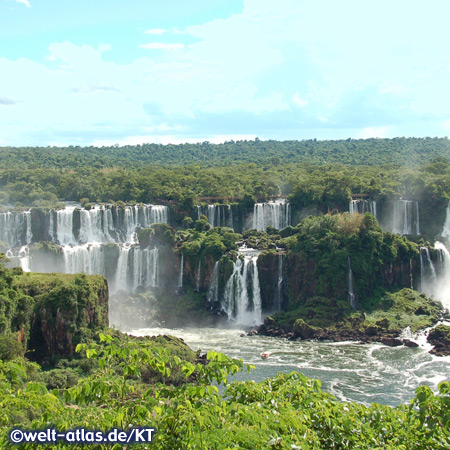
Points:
(156, 31)
(162, 46)
(24, 2)
(299, 101)
(104, 47)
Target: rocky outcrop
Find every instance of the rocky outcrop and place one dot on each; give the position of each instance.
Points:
(66, 309)
(440, 338)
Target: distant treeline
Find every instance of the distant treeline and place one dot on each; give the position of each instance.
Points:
(398, 151)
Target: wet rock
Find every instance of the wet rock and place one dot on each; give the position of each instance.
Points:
(391, 342)
(440, 338)
(409, 343)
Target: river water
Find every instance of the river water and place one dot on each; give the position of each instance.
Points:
(365, 373)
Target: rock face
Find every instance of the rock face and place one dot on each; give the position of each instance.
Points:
(440, 338)
(66, 308)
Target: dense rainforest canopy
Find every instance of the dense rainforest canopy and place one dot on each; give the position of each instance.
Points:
(323, 173)
(400, 151)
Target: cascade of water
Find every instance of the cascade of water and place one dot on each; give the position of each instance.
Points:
(64, 225)
(435, 276)
(29, 234)
(24, 258)
(363, 206)
(15, 228)
(144, 271)
(51, 225)
(218, 215)
(121, 277)
(242, 296)
(446, 228)
(351, 291)
(279, 289)
(197, 281)
(405, 219)
(92, 226)
(180, 277)
(213, 291)
(211, 214)
(275, 214)
(87, 258)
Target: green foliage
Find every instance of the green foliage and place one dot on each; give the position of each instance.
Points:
(286, 412)
(10, 347)
(405, 308)
(327, 243)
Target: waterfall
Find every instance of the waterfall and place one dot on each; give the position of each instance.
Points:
(87, 258)
(278, 303)
(351, 291)
(435, 275)
(180, 277)
(145, 267)
(218, 215)
(85, 237)
(15, 228)
(363, 206)
(29, 234)
(24, 258)
(64, 225)
(405, 217)
(427, 272)
(275, 214)
(242, 296)
(51, 226)
(213, 291)
(446, 229)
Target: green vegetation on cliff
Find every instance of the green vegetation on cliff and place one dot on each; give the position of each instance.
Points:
(323, 252)
(50, 313)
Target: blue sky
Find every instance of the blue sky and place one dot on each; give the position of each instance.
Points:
(102, 72)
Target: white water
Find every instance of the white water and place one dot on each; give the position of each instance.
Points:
(180, 276)
(198, 277)
(218, 215)
(15, 228)
(435, 276)
(351, 290)
(136, 267)
(81, 242)
(363, 206)
(242, 296)
(213, 291)
(277, 304)
(405, 217)
(276, 214)
(349, 370)
(446, 228)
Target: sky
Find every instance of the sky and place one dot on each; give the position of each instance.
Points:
(105, 72)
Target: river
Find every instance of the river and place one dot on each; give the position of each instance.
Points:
(365, 373)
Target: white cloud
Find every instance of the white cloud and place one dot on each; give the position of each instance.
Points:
(156, 31)
(299, 101)
(446, 124)
(104, 47)
(162, 46)
(373, 132)
(24, 2)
